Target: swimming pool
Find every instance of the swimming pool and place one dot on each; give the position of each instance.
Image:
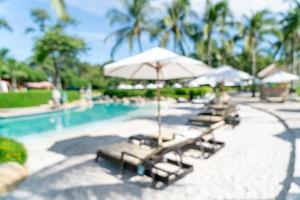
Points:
(19, 127)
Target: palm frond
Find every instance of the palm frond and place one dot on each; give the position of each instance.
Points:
(4, 25)
(60, 9)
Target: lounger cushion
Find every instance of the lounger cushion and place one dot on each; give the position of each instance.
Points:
(178, 141)
(115, 151)
(207, 118)
(217, 125)
(166, 136)
(219, 106)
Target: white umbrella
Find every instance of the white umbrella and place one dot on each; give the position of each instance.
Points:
(227, 73)
(125, 87)
(232, 83)
(139, 87)
(151, 86)
(280, 77)
(202, 80)
(177, 85)
(156, 64)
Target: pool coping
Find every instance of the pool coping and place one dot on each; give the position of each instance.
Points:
(49, 110)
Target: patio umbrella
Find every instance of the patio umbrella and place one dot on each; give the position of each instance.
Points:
(227, 73)
(177, 85)
(280, 77)
(202, 80)
(151, 86)
(125, 87)
(156, 64)
(139, 87)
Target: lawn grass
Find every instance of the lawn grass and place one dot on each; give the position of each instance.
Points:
(30, 98)
(11, 150)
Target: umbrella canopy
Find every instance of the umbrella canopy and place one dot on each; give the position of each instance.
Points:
(177, 85)
(139, 87)
(223, 74)
(157, 64)
(280, 77)
(202, 80)
(144, 66)
(227, 73)
(151, 86)
(125, 87)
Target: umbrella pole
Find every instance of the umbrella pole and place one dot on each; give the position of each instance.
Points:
(158, 106)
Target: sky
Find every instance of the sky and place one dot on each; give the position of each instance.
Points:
(93, 25)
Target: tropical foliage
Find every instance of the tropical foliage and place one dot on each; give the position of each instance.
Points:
(132, 21)
(12, 151)
(31, 98)
(217, 37)
(166, 92)
(212, 34)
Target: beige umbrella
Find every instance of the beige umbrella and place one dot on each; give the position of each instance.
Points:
(157, 64)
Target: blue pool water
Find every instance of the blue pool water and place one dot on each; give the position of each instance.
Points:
(50, 122)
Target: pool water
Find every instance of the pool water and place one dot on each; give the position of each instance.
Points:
(18, 127)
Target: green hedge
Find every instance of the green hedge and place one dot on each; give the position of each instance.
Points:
(298, 91)
(73, 95)
(30, 98)
(11, 150)
(167, 92)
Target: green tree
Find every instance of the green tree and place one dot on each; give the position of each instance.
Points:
(256, 27)
(3, 59)
(132, 23)
(215, 16)
(56, 49)
(15, 72)
(291, 36)
(40, 17)
(174, 26)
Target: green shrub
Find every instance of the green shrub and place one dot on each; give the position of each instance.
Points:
(24, 99)
(167, 92)
(73, 96)
(30, 98)
(150, 93)
(180, 91)
(124, 93)
(11, 150)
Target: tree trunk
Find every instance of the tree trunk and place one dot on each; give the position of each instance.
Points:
(139, 41)
(175, 42)
(14, 82)
(56, 77)
(253, 58)
(294, 56)
(209, 48)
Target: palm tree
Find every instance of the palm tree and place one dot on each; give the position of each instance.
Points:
(291, 34)
(256, 28)
(40, 17)
(132, 23)
(174, 26)
(3, 58)
(14, 70)
(215, 15)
